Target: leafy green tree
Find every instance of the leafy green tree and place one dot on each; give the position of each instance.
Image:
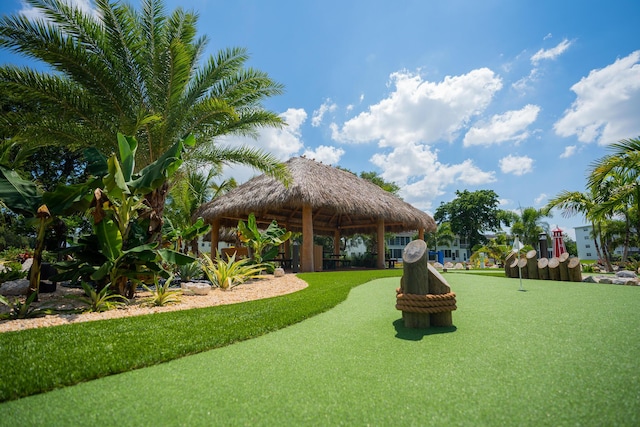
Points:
(376, 179)
(135, 72)
(470, 214)
(529, 225)
(572, 203)
(442, 236)
(623, 166)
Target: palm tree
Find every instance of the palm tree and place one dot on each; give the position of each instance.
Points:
(624, 164)
(134, 72)
(443, 236)
(572, 203)
(529, 225)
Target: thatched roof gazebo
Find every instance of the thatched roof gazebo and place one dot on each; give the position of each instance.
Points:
(321, 200)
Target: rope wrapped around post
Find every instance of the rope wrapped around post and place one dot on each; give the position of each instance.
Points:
(428, 303)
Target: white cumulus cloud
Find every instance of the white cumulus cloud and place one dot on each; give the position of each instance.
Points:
(418, 110)
(516, 165)
(32, 13)
(421, 177)
(510, 126)
(325, 154)
(318, 115)
(550, 54)
(569, 151)
(607, 104)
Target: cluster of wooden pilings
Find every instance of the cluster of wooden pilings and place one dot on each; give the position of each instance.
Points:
(563, 268)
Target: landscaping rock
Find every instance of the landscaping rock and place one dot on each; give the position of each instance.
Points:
(15, 287)
(195, 288)
(448, 264)
(590, 279)
(626, 274)
(278, 272)
(438, 266)
(459, 266)
(26, 266)
(605, 280)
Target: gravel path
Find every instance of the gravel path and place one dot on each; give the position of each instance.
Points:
(265, 287)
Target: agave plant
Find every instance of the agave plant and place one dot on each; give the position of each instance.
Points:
(103, 300)
(231, 273)
(22, 310)
(161, 295)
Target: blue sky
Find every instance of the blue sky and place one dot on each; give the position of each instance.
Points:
(519, 97)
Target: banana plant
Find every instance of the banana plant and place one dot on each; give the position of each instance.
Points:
(119, 215)
(264, 244)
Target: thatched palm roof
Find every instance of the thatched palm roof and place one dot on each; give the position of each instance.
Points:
(339, 201)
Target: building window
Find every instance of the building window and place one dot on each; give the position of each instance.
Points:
(586, 237)
(588, 253)
(587, 246)
(447, 253)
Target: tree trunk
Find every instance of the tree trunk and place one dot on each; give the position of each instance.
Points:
(532, 264)
(415, 280)
(554, 270)
(564, 270)
(543, 268)
(156, 201)
(575, 269)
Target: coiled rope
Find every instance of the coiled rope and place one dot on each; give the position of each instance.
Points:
(429, 303)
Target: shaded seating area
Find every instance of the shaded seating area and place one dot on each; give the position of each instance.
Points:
(319, 200)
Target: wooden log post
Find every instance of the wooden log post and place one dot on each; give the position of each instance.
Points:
(532, 264)
(522, 267)
(543, 268)
(513, 268)
(438, 286)
(554, 269)
(507, 263)
(575, 269)
(564, 266)
(415, 280)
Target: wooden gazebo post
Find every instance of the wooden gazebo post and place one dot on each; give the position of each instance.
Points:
(380, 227)
(336, 242)
(215, 237)
(421, 233)
(306, 262)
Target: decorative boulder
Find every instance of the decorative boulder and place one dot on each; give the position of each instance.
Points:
(626, 274)
(195, 288)
(590, 279)
(605, 280)
(278, 272)
(438, 266)
(459, 266)
(15, 287)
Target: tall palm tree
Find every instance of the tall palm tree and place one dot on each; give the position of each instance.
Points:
(137, 72)
(442, 236)
(572, 203)
(529, 225)
(624, 164)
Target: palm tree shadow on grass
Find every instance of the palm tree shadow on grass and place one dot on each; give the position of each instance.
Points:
(412, 334)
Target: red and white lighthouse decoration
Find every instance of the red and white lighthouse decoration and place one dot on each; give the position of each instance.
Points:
(558, 243)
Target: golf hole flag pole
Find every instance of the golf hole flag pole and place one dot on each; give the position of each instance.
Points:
(517, 246)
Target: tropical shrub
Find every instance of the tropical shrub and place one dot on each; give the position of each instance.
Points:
(264, 244)
(12, 271)
(230, 273)
(99, 301)
(161, 295)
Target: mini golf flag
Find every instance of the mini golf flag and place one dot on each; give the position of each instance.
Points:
(517, 245)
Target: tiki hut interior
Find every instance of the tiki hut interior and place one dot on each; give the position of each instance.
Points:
(320, 200)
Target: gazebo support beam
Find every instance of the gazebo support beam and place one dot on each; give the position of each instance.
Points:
(306, 262)
(380, 230)
(421, 233)
(215, 237)
(336, 242)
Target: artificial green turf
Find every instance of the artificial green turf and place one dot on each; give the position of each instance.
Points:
(558, 354)
(37, 360)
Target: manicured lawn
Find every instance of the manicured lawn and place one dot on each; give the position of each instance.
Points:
(558, 354)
